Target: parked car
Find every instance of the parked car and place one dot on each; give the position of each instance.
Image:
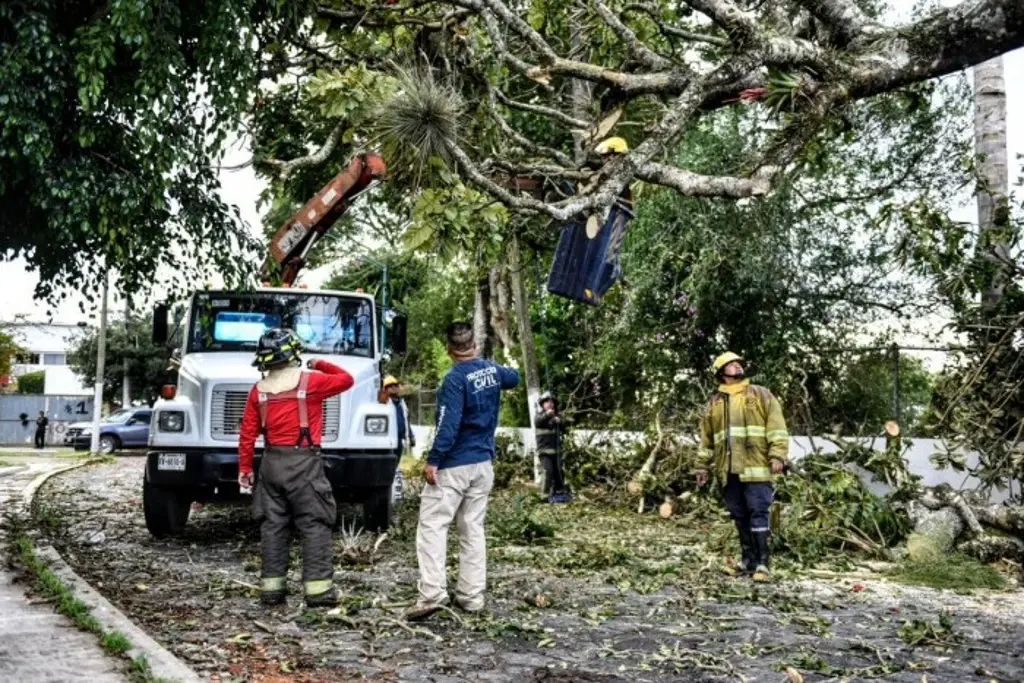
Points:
(125, 428)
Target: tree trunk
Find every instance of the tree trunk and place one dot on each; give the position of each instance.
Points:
(580, 91)
(530, 367)
(500, 309)
(482, 318)
(993, 181)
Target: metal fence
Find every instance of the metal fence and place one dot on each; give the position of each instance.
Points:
(18, 417)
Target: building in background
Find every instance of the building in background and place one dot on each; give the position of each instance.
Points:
(45, 348)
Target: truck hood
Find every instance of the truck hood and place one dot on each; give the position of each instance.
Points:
(237, 367)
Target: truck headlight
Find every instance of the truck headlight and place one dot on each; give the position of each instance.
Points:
(376, 424)
(172, 421)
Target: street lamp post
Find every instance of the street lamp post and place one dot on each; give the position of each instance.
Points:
(101, 351)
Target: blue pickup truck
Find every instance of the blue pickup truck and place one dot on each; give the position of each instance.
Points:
(125, 428)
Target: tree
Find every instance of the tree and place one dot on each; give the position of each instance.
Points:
(655, 69)
(8, 350)
(32, 383)
(147, 362)
(112, 120)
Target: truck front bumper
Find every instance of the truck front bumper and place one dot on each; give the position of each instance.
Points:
(218, 469)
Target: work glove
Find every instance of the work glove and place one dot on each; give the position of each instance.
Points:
(702, 477)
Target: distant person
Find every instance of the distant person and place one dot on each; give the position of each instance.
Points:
(392, 392)
(42, 422)
(459, 476)
(744, 440)
(550, 431)
(286, 408)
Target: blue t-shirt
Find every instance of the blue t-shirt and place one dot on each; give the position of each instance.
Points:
(467, 412)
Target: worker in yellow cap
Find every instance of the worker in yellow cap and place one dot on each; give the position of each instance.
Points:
(612, 146)
(392, 390)
(744, 441)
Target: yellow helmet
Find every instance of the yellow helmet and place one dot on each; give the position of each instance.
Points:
(390, 380)
(723, 360)
(612, 146)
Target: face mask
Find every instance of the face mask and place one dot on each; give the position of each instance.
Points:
(738, 375)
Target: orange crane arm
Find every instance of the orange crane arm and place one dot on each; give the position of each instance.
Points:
(293, 241)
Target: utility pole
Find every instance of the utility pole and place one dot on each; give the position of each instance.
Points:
(101, 351)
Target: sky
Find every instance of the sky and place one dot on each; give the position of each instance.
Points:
(242, 188)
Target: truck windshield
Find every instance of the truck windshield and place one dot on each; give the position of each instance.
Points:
(232, 321)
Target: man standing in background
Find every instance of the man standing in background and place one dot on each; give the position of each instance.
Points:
(459, 476)
(42, 422)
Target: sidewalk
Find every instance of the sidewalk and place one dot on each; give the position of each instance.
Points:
(36, 643)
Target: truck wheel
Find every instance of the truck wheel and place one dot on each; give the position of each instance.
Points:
(166, 510)
(377, 510)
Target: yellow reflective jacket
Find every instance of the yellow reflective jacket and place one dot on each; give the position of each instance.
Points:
(742, 432)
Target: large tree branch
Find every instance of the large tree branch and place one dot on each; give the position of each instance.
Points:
(636, 47)
(741, 26)
(844, 17)
(317, 158)
(541, 110)
(654, 14)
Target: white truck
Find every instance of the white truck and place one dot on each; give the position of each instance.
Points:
(193, 446)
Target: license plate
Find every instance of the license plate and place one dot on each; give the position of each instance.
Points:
(174, 462)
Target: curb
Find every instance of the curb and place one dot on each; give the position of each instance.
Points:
(162, 662)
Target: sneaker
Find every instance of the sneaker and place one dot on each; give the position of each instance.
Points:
(328, 598)
(272, 598)
(761, 574)
(468, 608)
(423, 610)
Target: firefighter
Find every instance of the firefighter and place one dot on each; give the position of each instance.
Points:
(392, 390)
(459, 476)
(745, 442)
(549, 424)
(286, 408)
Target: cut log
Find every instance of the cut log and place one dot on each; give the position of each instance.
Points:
(1003, 517)
(935, 533)
(992, 548)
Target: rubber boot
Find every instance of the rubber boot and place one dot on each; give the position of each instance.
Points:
(328, 598)
(761, 572)
(272, 598)
(746, 566)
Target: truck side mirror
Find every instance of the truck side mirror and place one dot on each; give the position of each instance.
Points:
(399, 336)
(160, 324)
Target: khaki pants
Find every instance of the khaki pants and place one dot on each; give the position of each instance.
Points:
(460, 495)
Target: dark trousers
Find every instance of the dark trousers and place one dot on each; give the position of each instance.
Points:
(40, 438)
(554, 477)
(749, 503)
(292, 487)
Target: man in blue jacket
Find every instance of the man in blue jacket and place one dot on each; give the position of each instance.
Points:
(459, 476)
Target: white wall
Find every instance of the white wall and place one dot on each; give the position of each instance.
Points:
(917, 452)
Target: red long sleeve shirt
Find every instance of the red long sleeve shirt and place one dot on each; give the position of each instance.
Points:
(283, 415)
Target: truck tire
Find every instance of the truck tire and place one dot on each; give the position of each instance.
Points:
(166, 510)
(377, 510)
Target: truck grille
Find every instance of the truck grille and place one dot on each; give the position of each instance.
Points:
(229, 405)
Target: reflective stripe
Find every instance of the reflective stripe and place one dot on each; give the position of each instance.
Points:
(756, 473)
(754, 430)
(778, 435)
(759, 528)
(741, 432)
(706, 453)
(273, 583)
(317, 587)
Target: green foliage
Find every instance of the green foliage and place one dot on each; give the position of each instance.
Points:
(827, 507)
(954, 571)
(113, 117)
(917, 632)
(8, 350)
(517, 523)
(147, 362)
(32, 383)
(511, 465)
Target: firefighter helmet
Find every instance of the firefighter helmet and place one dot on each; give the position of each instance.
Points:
(546, 396)
(390, 380)
(277, 347)
(723, 360)
(612, 146)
